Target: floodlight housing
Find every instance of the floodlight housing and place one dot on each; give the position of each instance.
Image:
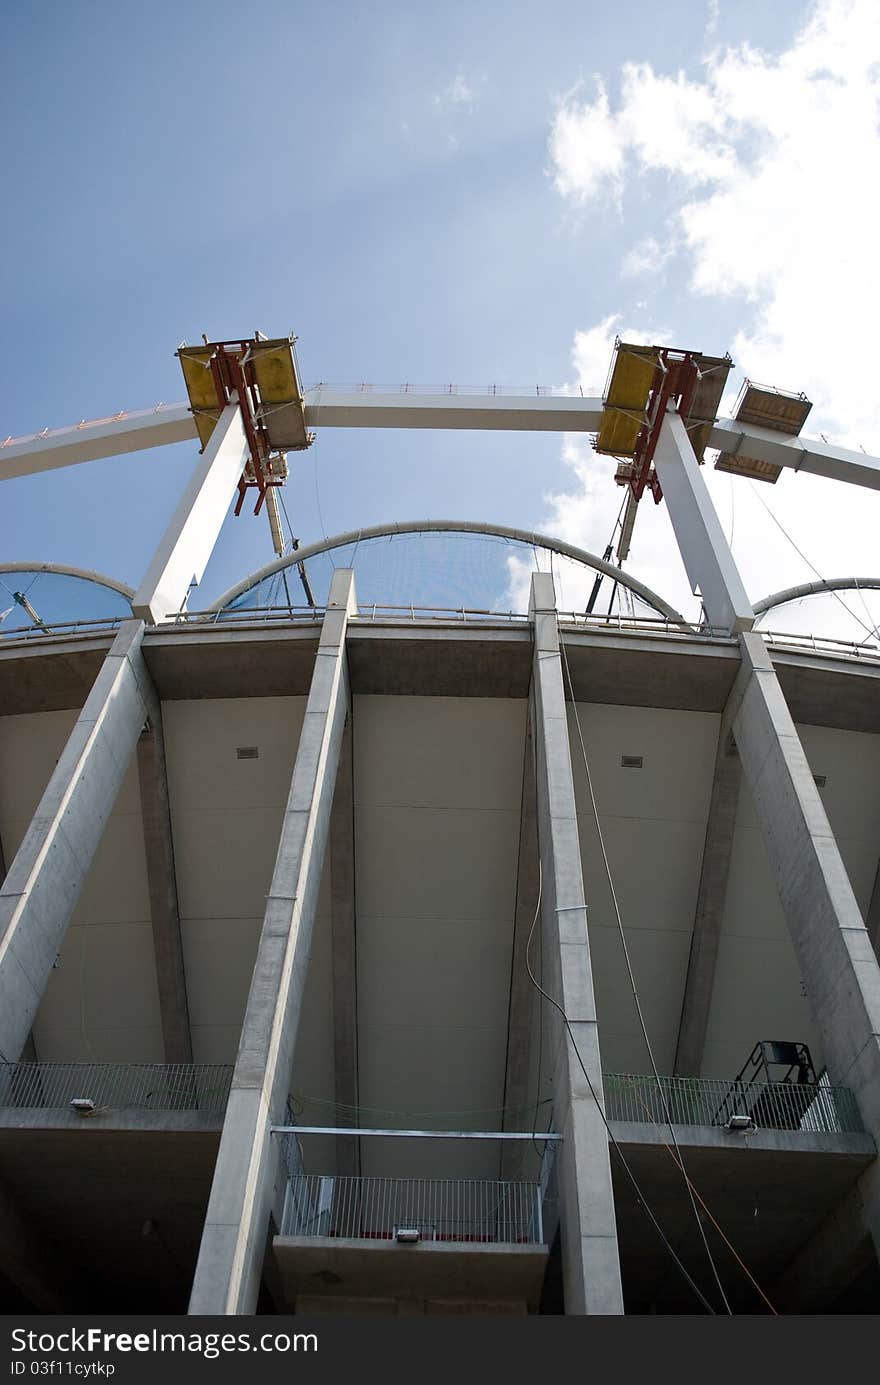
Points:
(741, 1124)
(407, 1234)
(83, 1105)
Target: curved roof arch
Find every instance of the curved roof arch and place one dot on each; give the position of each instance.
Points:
(64, 570)
(830, 584)
(380, 531)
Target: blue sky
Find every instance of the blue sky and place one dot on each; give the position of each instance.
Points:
(429, 193)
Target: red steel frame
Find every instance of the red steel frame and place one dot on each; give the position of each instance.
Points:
(675, 380)
(232, 372)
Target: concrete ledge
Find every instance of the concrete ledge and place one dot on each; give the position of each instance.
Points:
(428, 1270)
(707, 1137)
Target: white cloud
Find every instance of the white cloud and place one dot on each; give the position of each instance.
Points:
(647, 257)
(459, 92)
(777, 160)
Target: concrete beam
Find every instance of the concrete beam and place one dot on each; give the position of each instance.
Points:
(810, 455)
(329, 407)
(344, 943)
(591, 1267)
(243, 1192)
(710, 909)
(522, 1002)
(95, 438)
(701, 542)
(189, 540)
(162, 883)
(41, 889)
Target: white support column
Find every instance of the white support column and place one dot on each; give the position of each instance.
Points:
(42, 887)
(190, 537)
(701, 542)
(227, 1277)
(838, 965)
(591, 1267)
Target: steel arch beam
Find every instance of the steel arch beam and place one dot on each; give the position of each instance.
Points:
(455, 526)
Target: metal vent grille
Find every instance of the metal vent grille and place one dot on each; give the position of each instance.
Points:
(631, 761)
(247, 752)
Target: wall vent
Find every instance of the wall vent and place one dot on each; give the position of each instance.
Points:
(247, 752)
(631, 761)
(820, 780)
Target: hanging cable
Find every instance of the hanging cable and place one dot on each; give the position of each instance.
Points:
(623, 1161)
(870, 632)
(634, 988)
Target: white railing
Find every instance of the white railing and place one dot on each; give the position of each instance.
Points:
(687, 1101)
(116, 1086)
(463, 1210)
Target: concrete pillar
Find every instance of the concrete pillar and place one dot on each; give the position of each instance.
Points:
(342, 923)
(189, 540)
(41, 890)
(523, 996)
(698, 533)
(837, 962)
(590, 1264)
(162, 882)
(710, 909)
(227, 1277)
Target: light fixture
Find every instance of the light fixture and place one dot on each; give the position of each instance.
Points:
(743, 1125)
(407, 1234)
(83, 1105)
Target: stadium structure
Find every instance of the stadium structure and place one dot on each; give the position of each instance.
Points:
(362, 954)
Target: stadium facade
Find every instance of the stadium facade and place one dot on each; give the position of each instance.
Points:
(360, 959)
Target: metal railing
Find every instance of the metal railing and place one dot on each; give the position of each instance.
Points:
(706, 1101)
(865, 652)
(98, 625)
(464, 1210)
(499, 391)
(116, 1086)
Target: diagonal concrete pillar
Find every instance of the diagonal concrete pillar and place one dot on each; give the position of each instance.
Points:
(710, 909)
(521, 1005)
(41, 889)
(227, 1277)
(838, 965)
(872, 918)
(342, 923)
(590, 1263)
(162, 882)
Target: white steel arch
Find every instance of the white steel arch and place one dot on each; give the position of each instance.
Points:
(65, 570)
(454, 526)
(831, 584)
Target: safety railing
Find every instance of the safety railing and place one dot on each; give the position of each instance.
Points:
(370, 610)
(686, 1101)
(865, 652)
(106, 1087)
(492, 391)
(99, 625)
(467, 1211)
(654, 625)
